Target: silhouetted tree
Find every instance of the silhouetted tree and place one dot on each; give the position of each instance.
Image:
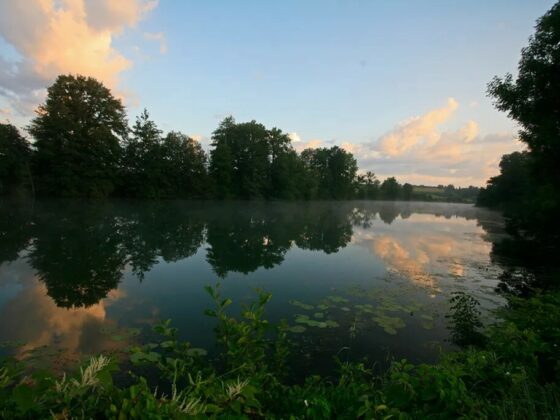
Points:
(15, 154)
(390, 189)
(531, 99)
(184, 166)
(406, 192)
(367, 186)
(143, 160)
(77, 132)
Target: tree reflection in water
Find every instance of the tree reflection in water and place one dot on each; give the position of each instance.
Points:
(80, 250)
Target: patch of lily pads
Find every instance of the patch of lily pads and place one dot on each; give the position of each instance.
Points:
(390, 324)
(386, 311)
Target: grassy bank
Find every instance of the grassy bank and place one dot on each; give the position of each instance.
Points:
(509, 370)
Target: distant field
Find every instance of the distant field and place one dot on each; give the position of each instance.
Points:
(431, 190)
(463, 195)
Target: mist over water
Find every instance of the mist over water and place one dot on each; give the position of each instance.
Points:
(371, 278)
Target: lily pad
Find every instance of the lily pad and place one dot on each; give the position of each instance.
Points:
(319, 315)
(337, 299)
(301, 305)
(302, 319)
(390, 330)
(390, 324)
(297, 329)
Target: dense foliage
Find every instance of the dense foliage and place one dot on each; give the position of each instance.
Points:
(15, 153)
(77, 134)
(513, 373)
(528, 187)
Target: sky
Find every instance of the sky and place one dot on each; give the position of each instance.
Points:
(400, 84)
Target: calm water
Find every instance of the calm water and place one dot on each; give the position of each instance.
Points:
(361, 278)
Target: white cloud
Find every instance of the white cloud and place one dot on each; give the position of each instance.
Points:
(294, 137)
(416, 131)
(66, 36)
(419, 152)
(300, 145)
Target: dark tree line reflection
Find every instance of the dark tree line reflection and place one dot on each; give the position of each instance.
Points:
(80, 250)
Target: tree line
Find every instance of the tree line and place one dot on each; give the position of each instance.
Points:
(528, 186)
(84, 147)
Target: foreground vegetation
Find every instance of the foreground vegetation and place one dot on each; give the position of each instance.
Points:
(510, 370)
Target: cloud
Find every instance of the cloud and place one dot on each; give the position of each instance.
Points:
(416, 131)
(66, 36)
(419, 152)
(294, 137)
(159, 37)
(73, 331)
(300, 145)
(5, 113)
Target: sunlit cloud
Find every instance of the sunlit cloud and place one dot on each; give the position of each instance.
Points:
(72, 330)
(300, 145)
(419, 152)
(426, 249)
(416, 131)
(68, 36)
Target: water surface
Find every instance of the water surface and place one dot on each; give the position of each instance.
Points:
(359, 278)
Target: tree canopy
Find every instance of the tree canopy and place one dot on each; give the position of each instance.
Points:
(84, 147)
(77, 134)
(15, 154)
(528, 187)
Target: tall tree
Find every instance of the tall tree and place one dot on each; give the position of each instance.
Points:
(184, 166)
(77, 131)
(532, 100)
(249, 161)
(15, 154)
(221, 159)
(143, 160)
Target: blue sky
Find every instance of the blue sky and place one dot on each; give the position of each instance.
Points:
(329, 72)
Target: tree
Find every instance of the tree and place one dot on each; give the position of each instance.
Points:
(143, 160)
(221, 159)
(368, 186)
(407, 190)
(390, 189)
(77, 131)
(532, 101)
(249, 161)
(15, 154)
(334, 172)
(184, 166)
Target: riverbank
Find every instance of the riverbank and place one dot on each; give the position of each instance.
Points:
(512, 371)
